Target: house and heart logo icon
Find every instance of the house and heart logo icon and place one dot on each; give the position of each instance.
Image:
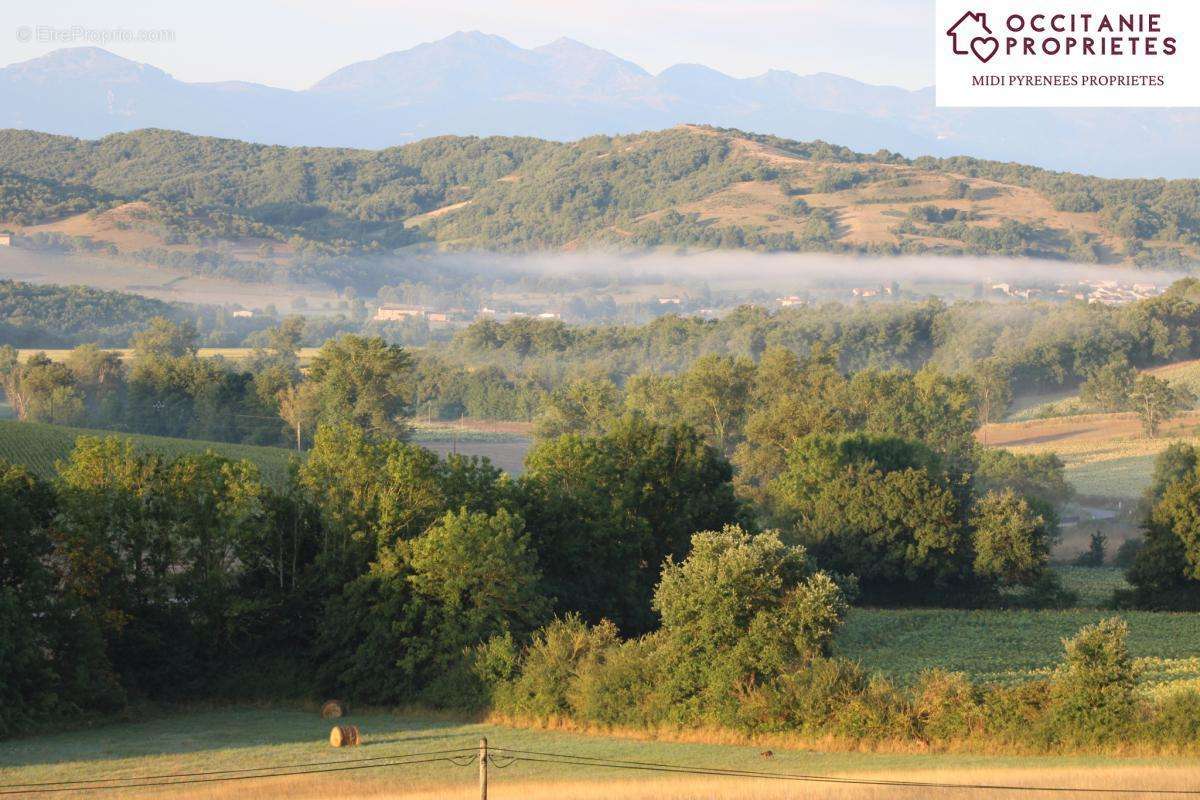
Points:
(971, 35)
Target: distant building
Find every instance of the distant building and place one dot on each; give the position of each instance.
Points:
(242, 313)
(5, 240)
(398, 313)
(550, 315)
(789, 301)
(438, 317)
(670, 301)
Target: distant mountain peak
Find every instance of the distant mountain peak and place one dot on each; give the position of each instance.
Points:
(90, 62)
(477, 83)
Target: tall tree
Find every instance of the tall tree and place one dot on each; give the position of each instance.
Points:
(1156, 401)
(365, 382)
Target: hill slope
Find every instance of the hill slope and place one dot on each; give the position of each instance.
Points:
(39, 447)
(686, 186)
(474, 83)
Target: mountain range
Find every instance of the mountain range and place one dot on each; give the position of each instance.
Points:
(479, 84)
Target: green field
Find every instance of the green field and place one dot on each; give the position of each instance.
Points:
(1010, 646)
(1094, 585)
(241, 738)
(39, 447)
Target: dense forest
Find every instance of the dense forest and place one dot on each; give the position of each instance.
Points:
(647, 190)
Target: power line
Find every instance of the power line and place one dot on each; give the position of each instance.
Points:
(561, 758)
(503, 758)
(243, 769)
(91, 787)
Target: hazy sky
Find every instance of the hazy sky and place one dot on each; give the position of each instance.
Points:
(294, 43)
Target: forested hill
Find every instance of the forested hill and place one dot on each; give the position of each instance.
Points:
(158, 193)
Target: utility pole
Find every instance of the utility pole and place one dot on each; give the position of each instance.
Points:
(483, 757)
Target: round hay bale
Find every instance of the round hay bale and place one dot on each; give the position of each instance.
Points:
(344, 736)
(333, 709)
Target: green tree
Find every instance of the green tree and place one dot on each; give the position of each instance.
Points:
(714, 397)
(1156, 401)
(1010, 539)
(993, 389)
(1093, 690)
(878, 507)
(364, 382)
(586, 406)
(52, 659)
(740, 611)
(791, 398)
(603, 513)
(1110, 388)
(482, 572)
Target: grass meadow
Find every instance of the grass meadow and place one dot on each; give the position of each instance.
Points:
(241, 738)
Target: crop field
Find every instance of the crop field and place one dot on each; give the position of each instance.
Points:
(1094, 585)
(1008, 646)
(39, 446)
(305, 354)
(207, 741)
(1106, 455)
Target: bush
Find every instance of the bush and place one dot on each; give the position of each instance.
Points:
(1017, 714)
(1177, 718)
(554, 659)
(1093, 690)
(948, 707)
(617, 687)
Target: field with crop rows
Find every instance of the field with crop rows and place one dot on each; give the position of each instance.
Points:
(39, 446)
(1093, 585)
(1107, 455)
(1009, 646)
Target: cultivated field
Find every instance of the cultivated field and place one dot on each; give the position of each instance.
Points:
(305, 354)
(1009, 646)
(39, 447)
(228, 739)
(1107, 455)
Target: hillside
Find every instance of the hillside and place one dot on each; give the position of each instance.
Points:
(39, 447)
(481, 84)
(213, 204)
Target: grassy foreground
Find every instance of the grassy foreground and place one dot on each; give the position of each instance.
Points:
(204, 741)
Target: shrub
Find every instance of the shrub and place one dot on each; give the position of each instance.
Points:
(556, 656)
(1017, 714)
(1094, 687)
(948, 707)
(880, 712)
(617, 687)
(1177, 718)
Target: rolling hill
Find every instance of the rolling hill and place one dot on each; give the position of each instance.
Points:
(232, 207)
(39, 447)
(472, 83)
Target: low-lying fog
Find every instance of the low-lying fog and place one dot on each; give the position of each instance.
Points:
(729, 272)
